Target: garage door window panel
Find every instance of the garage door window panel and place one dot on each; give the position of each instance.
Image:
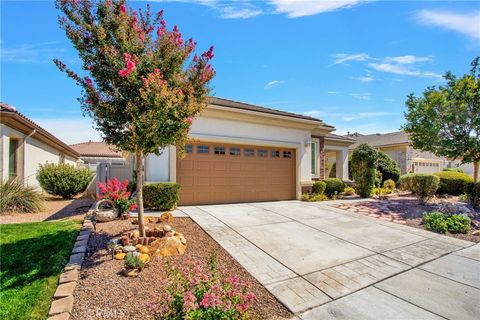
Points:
(203, 149)
(234, 151)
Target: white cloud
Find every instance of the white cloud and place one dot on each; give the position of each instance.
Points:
(408, 59)
(272, 84)
(339, 58)
(361, 96)
(402, 70)
(367, 78)
(70, 130)
(346, 116)
(390, 100)
(465, 23)
(239, 13)
(301, 8)
(332, 92)
(32, 53)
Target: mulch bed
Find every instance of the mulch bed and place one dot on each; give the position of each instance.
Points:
(55, 208)
(405, 209)
(102, 291)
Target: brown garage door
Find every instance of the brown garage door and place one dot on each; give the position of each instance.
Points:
(224, 173)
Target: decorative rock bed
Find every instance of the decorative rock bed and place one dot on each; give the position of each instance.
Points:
(158, 242)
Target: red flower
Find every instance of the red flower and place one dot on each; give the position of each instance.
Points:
(123, 9)
(189, 120)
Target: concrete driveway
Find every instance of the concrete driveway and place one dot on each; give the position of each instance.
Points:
(326, 263)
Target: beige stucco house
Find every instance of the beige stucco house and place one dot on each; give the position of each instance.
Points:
(241, 152)
(397, 146)
(24, 145)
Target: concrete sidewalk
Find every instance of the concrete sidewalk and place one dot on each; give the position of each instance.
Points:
(322, 262)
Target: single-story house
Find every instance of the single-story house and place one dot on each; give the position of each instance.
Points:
(241, 152)
(95, 152)
(397, 145)
(24, 146)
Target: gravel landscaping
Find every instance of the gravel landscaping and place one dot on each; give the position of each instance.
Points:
(405, 209)
(55, 208)
(102, 291)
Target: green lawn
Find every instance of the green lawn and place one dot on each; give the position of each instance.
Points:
(32, 256)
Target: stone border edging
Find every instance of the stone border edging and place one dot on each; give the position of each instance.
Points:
(62, 301)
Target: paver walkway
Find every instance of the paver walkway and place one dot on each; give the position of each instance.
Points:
(327, 263)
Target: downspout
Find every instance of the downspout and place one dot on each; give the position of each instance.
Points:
(24, 151)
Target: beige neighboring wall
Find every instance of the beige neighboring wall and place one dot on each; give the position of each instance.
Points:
(36, 146)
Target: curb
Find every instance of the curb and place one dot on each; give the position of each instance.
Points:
(62, 301)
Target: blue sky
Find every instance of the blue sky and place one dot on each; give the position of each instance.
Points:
(350, 63)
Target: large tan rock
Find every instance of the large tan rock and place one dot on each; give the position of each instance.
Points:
(168, 246)
(166, 217)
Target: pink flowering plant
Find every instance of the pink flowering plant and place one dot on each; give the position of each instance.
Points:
(142, 82)
(196, 292)
(116, 191)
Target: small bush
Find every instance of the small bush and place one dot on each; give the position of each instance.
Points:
(425, 186)
(349, 191)
(473, 194)
(381, 191)
(319, 187)
(116, 191)
(63, 179)
(458, 223)
(364, 168)
(15, 197)
(405, 182)
(161, 195)
(388, 167)
(453, 170)
(389, 184)
(435, 221)
(334, 186)
(198, 292)
(453, 183)
(314, 197)
(133, 262)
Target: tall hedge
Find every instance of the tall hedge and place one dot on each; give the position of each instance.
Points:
(453, 183)
(388, 167)
(364, 167)
(63, 180)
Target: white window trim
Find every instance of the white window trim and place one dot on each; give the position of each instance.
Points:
(315, 142)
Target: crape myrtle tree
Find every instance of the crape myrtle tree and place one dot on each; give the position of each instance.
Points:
(446, 120)
(143, 87)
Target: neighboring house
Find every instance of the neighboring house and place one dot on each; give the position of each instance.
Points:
(95, 152)
(24, 146)
(242, 152)
(397, 146)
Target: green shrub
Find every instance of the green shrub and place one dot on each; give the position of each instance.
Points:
(473, 194)
(405, 182)
(424, 186)
(389, 168)
(63, 179)
(435, 221)
(453, 170)
(133, 262)
(349, 191)
(15, 197)
(319, 187)
(458, 223)
(333, 186)
(381, 191)
(453, 183)
(314, 197)
(161, 195)
(389, 184)
(364, 167)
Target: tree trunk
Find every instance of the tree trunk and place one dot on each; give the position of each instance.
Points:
(139, 167)
(476, 171)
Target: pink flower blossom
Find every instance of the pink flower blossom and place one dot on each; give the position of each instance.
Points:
(123, 9)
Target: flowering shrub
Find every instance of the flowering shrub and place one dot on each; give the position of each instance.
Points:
(196, 292)
(116, 191)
